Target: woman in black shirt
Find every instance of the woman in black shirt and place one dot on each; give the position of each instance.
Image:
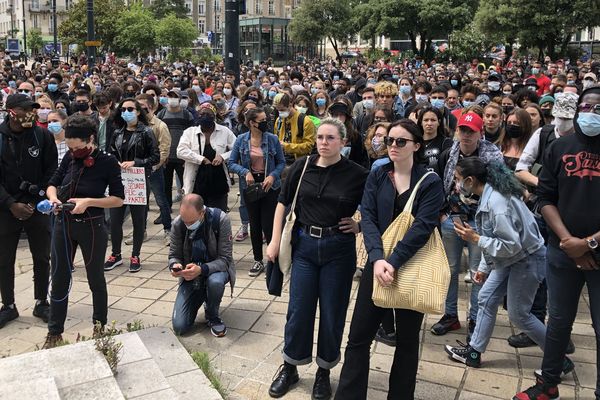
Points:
(82, 178)
(323, 257)
(435, 138)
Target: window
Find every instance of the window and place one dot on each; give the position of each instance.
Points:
(257, 7)
(35, 4)
(271, 7)
(35, 21)
(218, 23)
(202, 7)
(218, 5)
(201, 26)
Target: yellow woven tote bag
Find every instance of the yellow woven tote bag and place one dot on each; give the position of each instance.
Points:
(421, 284)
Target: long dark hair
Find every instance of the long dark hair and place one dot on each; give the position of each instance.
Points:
(496, 174)
(441, 129)
(414, 131)
(120, 122)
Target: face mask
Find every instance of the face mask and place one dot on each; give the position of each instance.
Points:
(26, 121)
(196, 88)
(194, 226)
(284, 114)
(173, 103)
(98, 88)
(80, 154)
(589, 123)
(467, 103)
(320, 102)
(227, 92)
(507, 93)
(301, 110)
(253, 98)
(570, 82)
(368, 104)
(38, 94)
(220, 104)
(55, 127)
(52, 87)
(129, 95)
(313, 90)
(81, 106)
(494, 86)
(184, 103)
(437, 103)
(405, 89)
(371, 81)
(376, 144)
(43, 114)
(129, 116)
(206, 122)
(163, 100)
(463, 190)
(421, 98)
(272, 94)
(535, 71)
(507, 109)
(547, 112)
(587, 84)
(263, 126)
(513, 131)
(454, 82)
(563, 125)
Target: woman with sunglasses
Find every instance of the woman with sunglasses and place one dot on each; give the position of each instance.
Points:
(134, 145)
(386, 192)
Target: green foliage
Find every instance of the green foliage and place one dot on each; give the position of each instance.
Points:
(162, 8)
(74, 29)
(468, 43)
(203, 361)
(34, 40)
(175, 33)
(135, 31)
(315, 20)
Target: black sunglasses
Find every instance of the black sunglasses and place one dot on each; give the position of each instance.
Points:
(400, 142)
(130, 109)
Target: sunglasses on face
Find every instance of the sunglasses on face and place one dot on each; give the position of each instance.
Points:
(400, 142)
(24, 91)
(145, 109)
(130, 109)
(586, 107)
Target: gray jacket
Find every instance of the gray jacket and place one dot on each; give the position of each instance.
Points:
(220, 250)
(507, 228)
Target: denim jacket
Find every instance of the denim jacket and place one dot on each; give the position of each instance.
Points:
(239, 159)
(508, 231)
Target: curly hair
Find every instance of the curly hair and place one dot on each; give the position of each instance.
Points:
(495, 173)
(370, 134)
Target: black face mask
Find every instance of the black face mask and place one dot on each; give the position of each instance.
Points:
(83, 107)
(547, 112)
(263, 126)
(507, 109)
(206, 122)
(128, 95)
(513, 131)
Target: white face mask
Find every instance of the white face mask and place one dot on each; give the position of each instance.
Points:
(368, 103)
(284, 114)
(173, 102)
(301, 110)
(563, 125)
(184, 103)
(227, 92)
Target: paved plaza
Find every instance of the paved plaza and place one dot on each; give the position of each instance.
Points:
(248, 357)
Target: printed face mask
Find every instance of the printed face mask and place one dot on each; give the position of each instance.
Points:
(26, 120)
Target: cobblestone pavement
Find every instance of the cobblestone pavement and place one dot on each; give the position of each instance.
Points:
(248, 357)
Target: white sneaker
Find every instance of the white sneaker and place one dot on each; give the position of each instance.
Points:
(467, 277)
(167, 238)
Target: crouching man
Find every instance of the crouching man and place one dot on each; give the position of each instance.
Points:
(201, 256)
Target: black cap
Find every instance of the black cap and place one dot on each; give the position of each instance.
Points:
(57, 76)
(531, 82)
(20, 100)
(494, 76)
(84, 86)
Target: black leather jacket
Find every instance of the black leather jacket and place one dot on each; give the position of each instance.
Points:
(141, 147)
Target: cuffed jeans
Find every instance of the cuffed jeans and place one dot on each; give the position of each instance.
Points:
(454, 245)
(192, 294)
(354, 378)
(157, 185)
(322, 270)
(565, 282)
(519, 282)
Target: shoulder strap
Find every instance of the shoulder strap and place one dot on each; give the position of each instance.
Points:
(300, 125)
(216, 221)
(299, 182)
(546, 137)
(409, 204)
(161, 113)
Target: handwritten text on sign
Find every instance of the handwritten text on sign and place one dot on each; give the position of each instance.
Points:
(134, 180)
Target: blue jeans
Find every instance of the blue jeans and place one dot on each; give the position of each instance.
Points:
(157, 185)
(244, 217)
(454, 248)
(192, 294)
(519, 282)
(565, 283)
(322, 270)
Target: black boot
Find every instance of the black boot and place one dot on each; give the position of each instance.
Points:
(322, 386)
(286, 376)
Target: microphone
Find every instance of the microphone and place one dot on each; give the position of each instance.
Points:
(46, 207)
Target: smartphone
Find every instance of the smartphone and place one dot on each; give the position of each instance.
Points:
(459, 219)
(176, 269)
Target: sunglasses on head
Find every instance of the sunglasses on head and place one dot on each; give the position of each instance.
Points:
(130, 109)
(400, 142)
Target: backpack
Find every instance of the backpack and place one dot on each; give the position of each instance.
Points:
(547, 136)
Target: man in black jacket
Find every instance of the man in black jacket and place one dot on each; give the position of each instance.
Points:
(27, 161)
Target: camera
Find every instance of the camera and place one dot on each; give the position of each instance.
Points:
(30, 188)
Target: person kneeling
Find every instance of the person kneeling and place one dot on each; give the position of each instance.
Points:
(201, 255)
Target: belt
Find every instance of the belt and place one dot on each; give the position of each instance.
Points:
(319, 231)
(72, 219)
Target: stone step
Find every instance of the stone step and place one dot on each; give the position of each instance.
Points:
(42, 388)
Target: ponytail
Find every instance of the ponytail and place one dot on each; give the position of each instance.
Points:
(495, 174)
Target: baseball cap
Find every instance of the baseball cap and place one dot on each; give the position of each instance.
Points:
(590, 75)
(20, 100)
(471, 121)
(172, 93)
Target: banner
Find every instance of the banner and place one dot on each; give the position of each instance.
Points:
(134, 180)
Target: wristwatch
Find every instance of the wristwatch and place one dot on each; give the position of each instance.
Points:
(592, 242)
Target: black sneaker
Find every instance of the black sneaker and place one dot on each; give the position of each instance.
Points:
(568, 367)
(217, 328)
(134, 264)
(464, 354)
(539, 391)
(385, 338)
(470, 330)
(256, 269)
(322, 387)
(285, 377)
(158, 220)
(42, 310)
(7, 314)
(112, 262)
(570, 347)
(520, 341)
(446, 324)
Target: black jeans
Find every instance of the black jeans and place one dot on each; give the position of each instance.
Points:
(538, 308)
(138, 217)
(170, 167)
(366, 318)
(261, 214)
(92, 238)
(37, 228)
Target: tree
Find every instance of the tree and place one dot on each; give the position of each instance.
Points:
(175, 33)
(74, 29)
(135, 30)
(34, 40)
(468, 43)
(315, 20)
(161, 8)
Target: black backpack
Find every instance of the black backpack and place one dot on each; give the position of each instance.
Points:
(547, 136)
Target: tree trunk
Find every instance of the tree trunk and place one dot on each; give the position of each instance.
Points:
(413, 42)
(373, 40)
(333, 42)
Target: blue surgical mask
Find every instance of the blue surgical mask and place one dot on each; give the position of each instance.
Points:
(535, 71)
(467, 103)
(589, 123)
(320, 102)
(454, 82)
(129, 116)
(55, 127)
(395, 77)
(272, 94)
(164, 100)
(368, 103)
(405, 89)
(437, 103)
(52, 87)
(194, 226)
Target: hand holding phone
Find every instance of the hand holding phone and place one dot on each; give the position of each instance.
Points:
(458, 219)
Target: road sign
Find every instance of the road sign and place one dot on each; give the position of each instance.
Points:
(93, 43)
